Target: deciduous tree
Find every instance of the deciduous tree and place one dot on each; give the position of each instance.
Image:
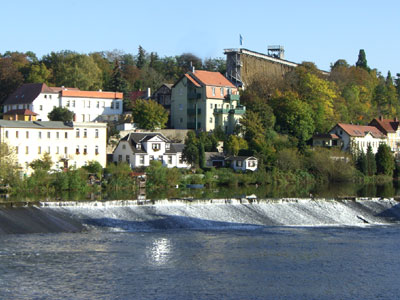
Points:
(149, 114)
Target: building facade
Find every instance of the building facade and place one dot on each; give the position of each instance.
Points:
(204, 100)
(355, 138)
(87, 106)
(68, 144)
(389, 127)
(139, 149)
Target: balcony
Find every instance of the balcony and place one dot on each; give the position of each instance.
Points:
(231, 97)
(240, 110)
(192, 111)
(221, 111)
(194, 96)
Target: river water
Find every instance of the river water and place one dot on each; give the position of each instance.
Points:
(239, 262)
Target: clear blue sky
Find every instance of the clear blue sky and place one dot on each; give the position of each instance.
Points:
(320, 31)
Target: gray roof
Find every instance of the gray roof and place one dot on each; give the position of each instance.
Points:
(140, 137)
(36, 124)
(210, 156)
(240, 158)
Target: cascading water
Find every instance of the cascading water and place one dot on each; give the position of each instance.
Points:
(209, 214)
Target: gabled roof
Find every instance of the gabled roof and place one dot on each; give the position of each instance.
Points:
(361, 130)
(25, 112)
(26, 93)
(187, 75)
(210, 78)
(386, 125)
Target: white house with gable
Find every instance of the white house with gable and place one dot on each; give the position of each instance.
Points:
(138, 149)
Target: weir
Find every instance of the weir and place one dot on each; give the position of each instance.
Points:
(134, 216)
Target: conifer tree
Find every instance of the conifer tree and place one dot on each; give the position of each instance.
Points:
(384, 160)
(362, 60)
(371, 163)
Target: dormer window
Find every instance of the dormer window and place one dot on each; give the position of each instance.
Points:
(156, 146)
(167, 146)
(138, 146)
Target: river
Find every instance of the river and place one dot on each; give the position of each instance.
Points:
(273, 249)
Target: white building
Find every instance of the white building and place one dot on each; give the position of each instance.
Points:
(88, 106)
(243, 163)
(358, 137)
(138, 149)
(69, 144)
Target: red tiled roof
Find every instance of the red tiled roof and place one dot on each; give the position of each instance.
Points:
(210, 78)
(25, 112)
(137, 95)
(192, 80)
(386, 125)
(361, 130)
(92, 94)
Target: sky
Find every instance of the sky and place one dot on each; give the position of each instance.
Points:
(320, 31)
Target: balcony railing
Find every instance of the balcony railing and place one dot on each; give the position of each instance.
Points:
(194, 96)
(232, 97)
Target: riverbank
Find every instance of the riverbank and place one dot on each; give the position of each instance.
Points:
(215, 214)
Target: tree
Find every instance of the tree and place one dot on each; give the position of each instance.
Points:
(361, 163)
(38, 73)
(117, 82)
(384, 160)
(42, 164)
(234, 144)
(10, 78)
(191, 150)
(362, 60)
(141, 58)
(8, 165)
(370, 161)
(149, 114)
(61, 114)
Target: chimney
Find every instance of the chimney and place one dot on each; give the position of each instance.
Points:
(192, 67)
(396, 119)
(380, 118)
(148, 93)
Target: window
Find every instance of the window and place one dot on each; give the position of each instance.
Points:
(85, 150)
(65, 150)
(27, 134)
(180, 159)
(45, 96)
(117, 105)
(239, 163)
(39, 150)
(151, 157)
(73, 103)
(167, 146)
(96, 150)
(123, 147)
(141, 159)
(40, 134)
(50, 96)
(40, 107)
(77, 150)
(77, 132)
(139, 146)
(48, 149)
(66, 135)
(97, 104)
(211, 119)
(211, 105)
(68, 103)
(120, 158)
(16, 150)
(58, 150)
(88, 104)
(156, 146)
(222, 92)
(48, 134)
(85, 133)
(6, 134)
(213, 91)
(180, 107)
(169, 159)
(112, 105)
(181, 120)
(127, 159)
(57, 135)
(26, 150)
(96, 134)
(103, 104)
